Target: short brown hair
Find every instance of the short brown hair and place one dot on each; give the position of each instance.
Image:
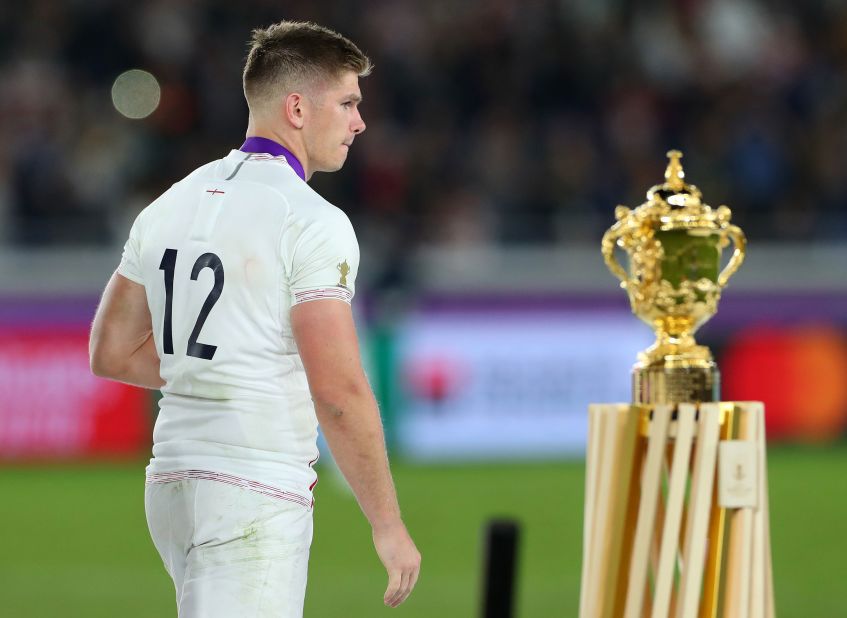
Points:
(293, 54)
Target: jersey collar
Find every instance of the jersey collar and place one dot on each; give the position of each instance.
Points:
(263, 144)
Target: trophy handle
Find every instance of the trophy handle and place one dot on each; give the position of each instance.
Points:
(610, 239)
(740, 241)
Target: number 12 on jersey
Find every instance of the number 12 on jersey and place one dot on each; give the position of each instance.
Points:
(207, 260)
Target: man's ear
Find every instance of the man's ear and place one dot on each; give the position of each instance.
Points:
(294, 109)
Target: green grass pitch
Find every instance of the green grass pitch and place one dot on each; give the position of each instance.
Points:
(75, 543)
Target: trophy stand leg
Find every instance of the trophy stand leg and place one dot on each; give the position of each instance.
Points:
(749, 581)
(694, 544)
(630, 492)
(592, 463)
(650, 486)
(741, 540)
(610, 461)
(668, 552)
(717, 535)
(765, 605)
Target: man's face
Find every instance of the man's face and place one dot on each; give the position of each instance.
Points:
(333, 122)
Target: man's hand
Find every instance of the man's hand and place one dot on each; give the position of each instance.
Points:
(401, 559)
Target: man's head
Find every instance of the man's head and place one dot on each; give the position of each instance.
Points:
(301, 81)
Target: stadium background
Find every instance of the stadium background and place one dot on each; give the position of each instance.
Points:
(500, 137)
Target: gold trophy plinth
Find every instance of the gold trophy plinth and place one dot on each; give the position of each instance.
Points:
(676, 507)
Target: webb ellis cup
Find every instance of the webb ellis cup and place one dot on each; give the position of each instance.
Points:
(674, 281)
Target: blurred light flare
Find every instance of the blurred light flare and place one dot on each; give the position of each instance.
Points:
(136, 94)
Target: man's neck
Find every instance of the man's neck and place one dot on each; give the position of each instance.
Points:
(294, 147)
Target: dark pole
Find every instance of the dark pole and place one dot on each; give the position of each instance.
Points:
(501, 543)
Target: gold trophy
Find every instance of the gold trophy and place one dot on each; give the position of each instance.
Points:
(674, 282)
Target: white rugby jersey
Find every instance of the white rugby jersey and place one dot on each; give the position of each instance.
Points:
(223, 256)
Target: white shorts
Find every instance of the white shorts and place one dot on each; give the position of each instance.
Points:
(231, 552)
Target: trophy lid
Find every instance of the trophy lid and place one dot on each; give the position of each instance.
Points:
(679, 204)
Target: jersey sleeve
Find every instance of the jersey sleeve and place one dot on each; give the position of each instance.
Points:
(325, 260)
(130, 266)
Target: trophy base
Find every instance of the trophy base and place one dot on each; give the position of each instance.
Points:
(660, 384)
(676, 512)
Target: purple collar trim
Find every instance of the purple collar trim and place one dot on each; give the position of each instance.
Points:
(263, 144)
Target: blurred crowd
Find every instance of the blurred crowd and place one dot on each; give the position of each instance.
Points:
(489, 121)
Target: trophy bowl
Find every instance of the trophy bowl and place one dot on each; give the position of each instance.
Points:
(674, 280)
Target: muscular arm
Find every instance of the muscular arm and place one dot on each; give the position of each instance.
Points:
(348, 414)
(121, 343)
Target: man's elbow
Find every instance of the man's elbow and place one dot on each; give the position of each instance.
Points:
(335, 398)
(102, 365)
(98, 368)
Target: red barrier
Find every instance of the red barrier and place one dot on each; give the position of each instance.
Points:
(800, 372)
(52, 407)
